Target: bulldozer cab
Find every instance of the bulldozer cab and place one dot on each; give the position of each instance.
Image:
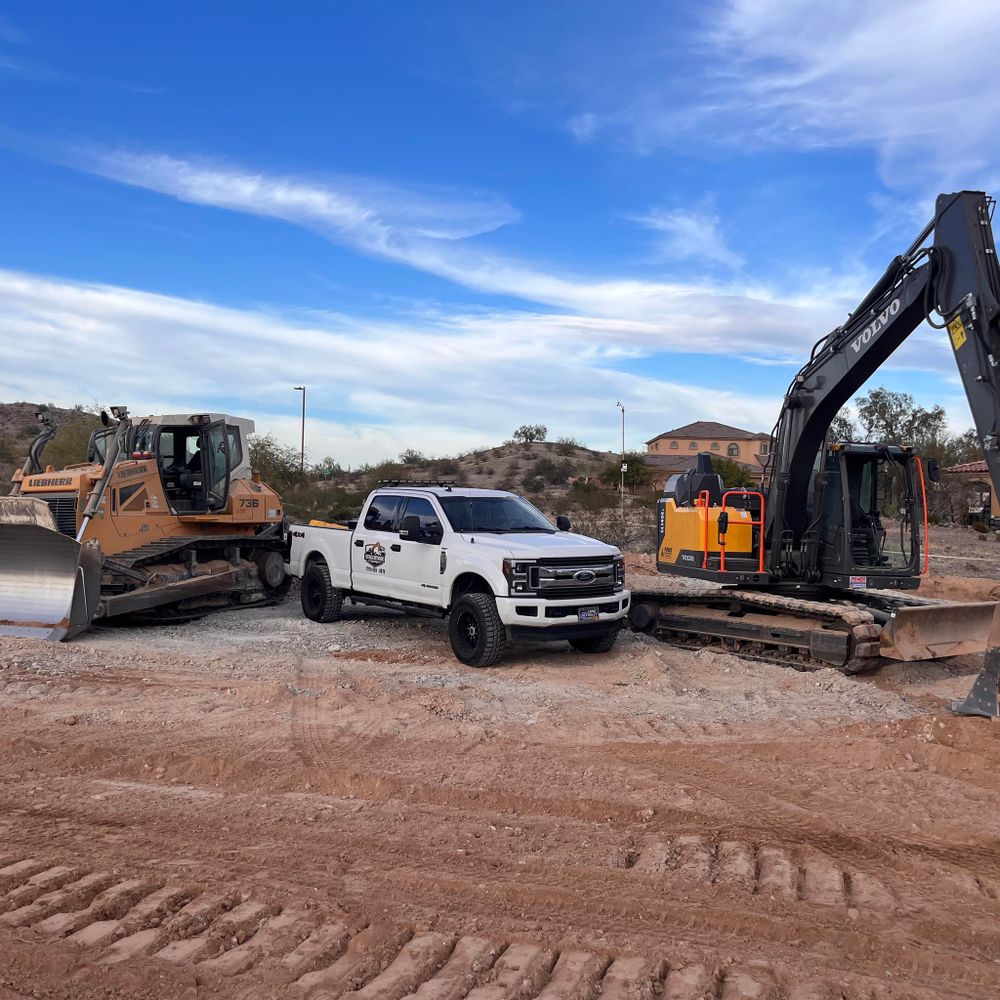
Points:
(194, 462)
(868, 525)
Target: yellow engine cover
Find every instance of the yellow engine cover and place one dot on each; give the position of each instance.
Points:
(683, 532)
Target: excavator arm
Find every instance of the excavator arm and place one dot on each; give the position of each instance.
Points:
(956, 277)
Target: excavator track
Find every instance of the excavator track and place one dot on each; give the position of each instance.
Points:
(792, 631)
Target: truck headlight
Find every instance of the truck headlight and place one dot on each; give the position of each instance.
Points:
(619, 572)
(516, 572)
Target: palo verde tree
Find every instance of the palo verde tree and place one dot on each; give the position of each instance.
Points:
(529, 433)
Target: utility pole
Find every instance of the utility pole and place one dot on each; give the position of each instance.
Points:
(621, 406)
(302, 446)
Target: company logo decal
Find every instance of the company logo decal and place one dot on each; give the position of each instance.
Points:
(134, 472)
(60, 481)
(375, 554)
(874, 328)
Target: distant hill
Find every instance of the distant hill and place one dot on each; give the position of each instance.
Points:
(18, 428)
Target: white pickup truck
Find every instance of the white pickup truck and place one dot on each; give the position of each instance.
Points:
(488, 560)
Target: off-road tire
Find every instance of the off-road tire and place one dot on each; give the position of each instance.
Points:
(477, 635)
(596, 643)
(321, 601)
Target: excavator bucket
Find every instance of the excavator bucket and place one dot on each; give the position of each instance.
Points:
(49, 583)
(935, 631)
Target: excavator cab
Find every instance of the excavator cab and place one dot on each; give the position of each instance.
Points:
(868, 529)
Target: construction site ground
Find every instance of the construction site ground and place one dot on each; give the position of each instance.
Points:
(255, 805)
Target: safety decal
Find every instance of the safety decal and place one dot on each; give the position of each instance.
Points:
(957, 330)
(859, 582)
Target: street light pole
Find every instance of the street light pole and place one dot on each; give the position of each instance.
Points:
(621, 406)
(302, 447)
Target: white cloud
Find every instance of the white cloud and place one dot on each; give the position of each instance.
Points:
(438, 383)
(686, 234)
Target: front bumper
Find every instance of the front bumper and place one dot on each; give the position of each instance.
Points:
(541, 615)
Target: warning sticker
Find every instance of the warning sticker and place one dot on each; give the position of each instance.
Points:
(859, 582)
(957, 330)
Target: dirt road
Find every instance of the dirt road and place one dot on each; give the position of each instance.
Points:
(258, 806)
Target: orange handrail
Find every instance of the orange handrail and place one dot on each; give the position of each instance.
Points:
(703, 498)
(753, 524)
(927, 537)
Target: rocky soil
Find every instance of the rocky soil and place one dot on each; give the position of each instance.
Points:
(255, 805)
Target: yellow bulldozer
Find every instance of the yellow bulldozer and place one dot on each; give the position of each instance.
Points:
(165, 520)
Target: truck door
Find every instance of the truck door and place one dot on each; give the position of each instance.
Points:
(416, 574)
(373, 562)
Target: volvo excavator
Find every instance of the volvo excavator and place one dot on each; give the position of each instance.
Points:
(815, 564)
(165, 520)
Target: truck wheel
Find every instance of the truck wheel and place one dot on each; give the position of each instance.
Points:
(596, 643)
(321, 601)
(475, 630)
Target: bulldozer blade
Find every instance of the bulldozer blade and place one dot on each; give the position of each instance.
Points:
(49, 582)
(935, 631)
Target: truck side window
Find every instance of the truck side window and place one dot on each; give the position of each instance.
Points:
(381, 514)
(419, 507)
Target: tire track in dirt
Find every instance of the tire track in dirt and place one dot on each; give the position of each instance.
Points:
(230, 937)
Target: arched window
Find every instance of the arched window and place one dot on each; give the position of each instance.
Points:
(734, 451)
(693, 446)
(674, 444)
(715, 446)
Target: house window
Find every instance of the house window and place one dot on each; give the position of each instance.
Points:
(692, 445)
(733, 451)
(715, 446)
(674, 444)
(764, 446)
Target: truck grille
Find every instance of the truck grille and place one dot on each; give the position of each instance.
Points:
(63, 507)
(573, 577)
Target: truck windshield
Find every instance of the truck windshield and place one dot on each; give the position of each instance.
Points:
(498, 515)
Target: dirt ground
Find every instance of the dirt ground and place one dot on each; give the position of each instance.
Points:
(258, 806)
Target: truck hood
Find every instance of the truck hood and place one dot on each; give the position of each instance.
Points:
(541, 546)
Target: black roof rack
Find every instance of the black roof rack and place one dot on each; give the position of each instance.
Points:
(446, 483)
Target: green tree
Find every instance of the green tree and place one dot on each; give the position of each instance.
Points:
(734, 475)
(842, 427)
(412, 457)
(529, 433)
(326, 469)
(892, 417)
(278, 464)
(638, 475)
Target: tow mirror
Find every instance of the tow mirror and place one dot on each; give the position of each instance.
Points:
(723, 521)
(933, 470)
(563, 523)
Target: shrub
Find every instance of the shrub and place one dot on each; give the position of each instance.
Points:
(533, 484)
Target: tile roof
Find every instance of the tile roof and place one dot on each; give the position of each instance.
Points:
(979, 466)
(710, 429)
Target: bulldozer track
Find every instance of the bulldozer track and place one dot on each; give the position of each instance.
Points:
(107, 919)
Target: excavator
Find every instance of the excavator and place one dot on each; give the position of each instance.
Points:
(165, 521)
(817, 566)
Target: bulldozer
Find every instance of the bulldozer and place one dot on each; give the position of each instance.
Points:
(818, 564)
(165, 521)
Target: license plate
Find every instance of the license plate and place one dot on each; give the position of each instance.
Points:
(587, 614)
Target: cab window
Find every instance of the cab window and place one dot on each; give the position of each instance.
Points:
(382, 512)
(235, 450)
(422, 508)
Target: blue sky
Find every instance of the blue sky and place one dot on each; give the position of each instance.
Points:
(451, 218)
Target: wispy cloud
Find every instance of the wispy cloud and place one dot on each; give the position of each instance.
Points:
(403, 382)
(686, 234)
(430, 231)
(794, 74)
